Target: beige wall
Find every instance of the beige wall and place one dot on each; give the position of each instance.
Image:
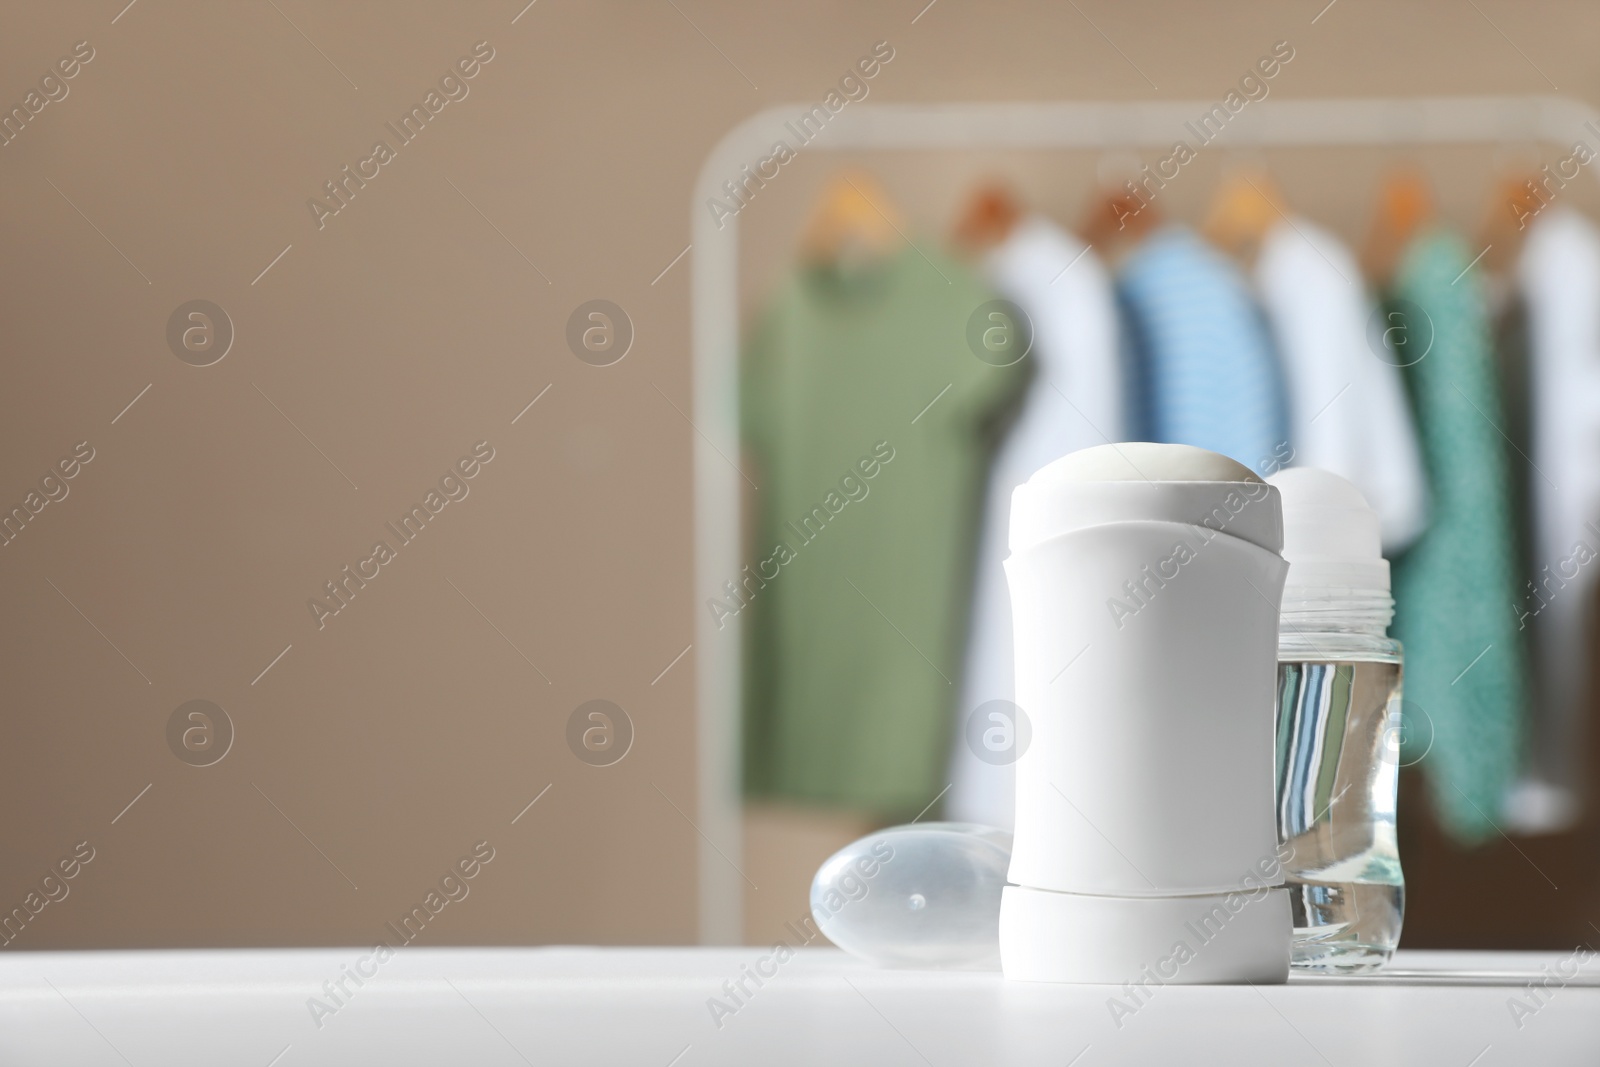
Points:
(403, 332)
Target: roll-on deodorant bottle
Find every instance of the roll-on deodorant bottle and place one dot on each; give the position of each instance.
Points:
(1145, 582)
(1339, 728)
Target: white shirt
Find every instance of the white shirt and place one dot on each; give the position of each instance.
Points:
(1558, 275)
(1348, 411)
(1076, 400)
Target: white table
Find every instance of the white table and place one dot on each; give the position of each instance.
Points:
(650, 1007)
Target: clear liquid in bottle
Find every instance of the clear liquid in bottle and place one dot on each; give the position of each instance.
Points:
(1337, 765)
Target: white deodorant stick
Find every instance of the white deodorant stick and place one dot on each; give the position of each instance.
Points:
(1145, 586)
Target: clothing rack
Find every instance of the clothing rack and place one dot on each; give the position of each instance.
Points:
(714, 296)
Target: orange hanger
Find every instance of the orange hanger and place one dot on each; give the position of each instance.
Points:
(1247, 204)
(1512, 207)
(853, 217)
(1116, 215)
(991, 213)
(1405, 207)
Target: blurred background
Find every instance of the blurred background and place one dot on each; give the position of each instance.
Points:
(245, 347)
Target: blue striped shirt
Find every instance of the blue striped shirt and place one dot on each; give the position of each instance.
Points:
(1205, 369)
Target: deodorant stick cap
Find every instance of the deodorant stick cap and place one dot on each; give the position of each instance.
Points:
(1144, 461)
(1140, 481)
(1331, 534)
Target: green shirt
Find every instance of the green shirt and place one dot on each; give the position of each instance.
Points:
(1455, 589)
(870, 423)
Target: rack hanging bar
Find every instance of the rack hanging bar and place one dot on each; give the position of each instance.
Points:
(1378, 121)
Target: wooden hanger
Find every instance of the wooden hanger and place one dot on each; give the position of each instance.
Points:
(1512, 207)
(991, 213)
(1115, 216)
(852, 219)
(1247, 204)
(1405, 207)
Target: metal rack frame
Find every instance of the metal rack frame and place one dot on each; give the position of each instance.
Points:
(1041, 125)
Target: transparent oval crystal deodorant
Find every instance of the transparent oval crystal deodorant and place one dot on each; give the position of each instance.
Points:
(923, 895)
(1338, 729)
